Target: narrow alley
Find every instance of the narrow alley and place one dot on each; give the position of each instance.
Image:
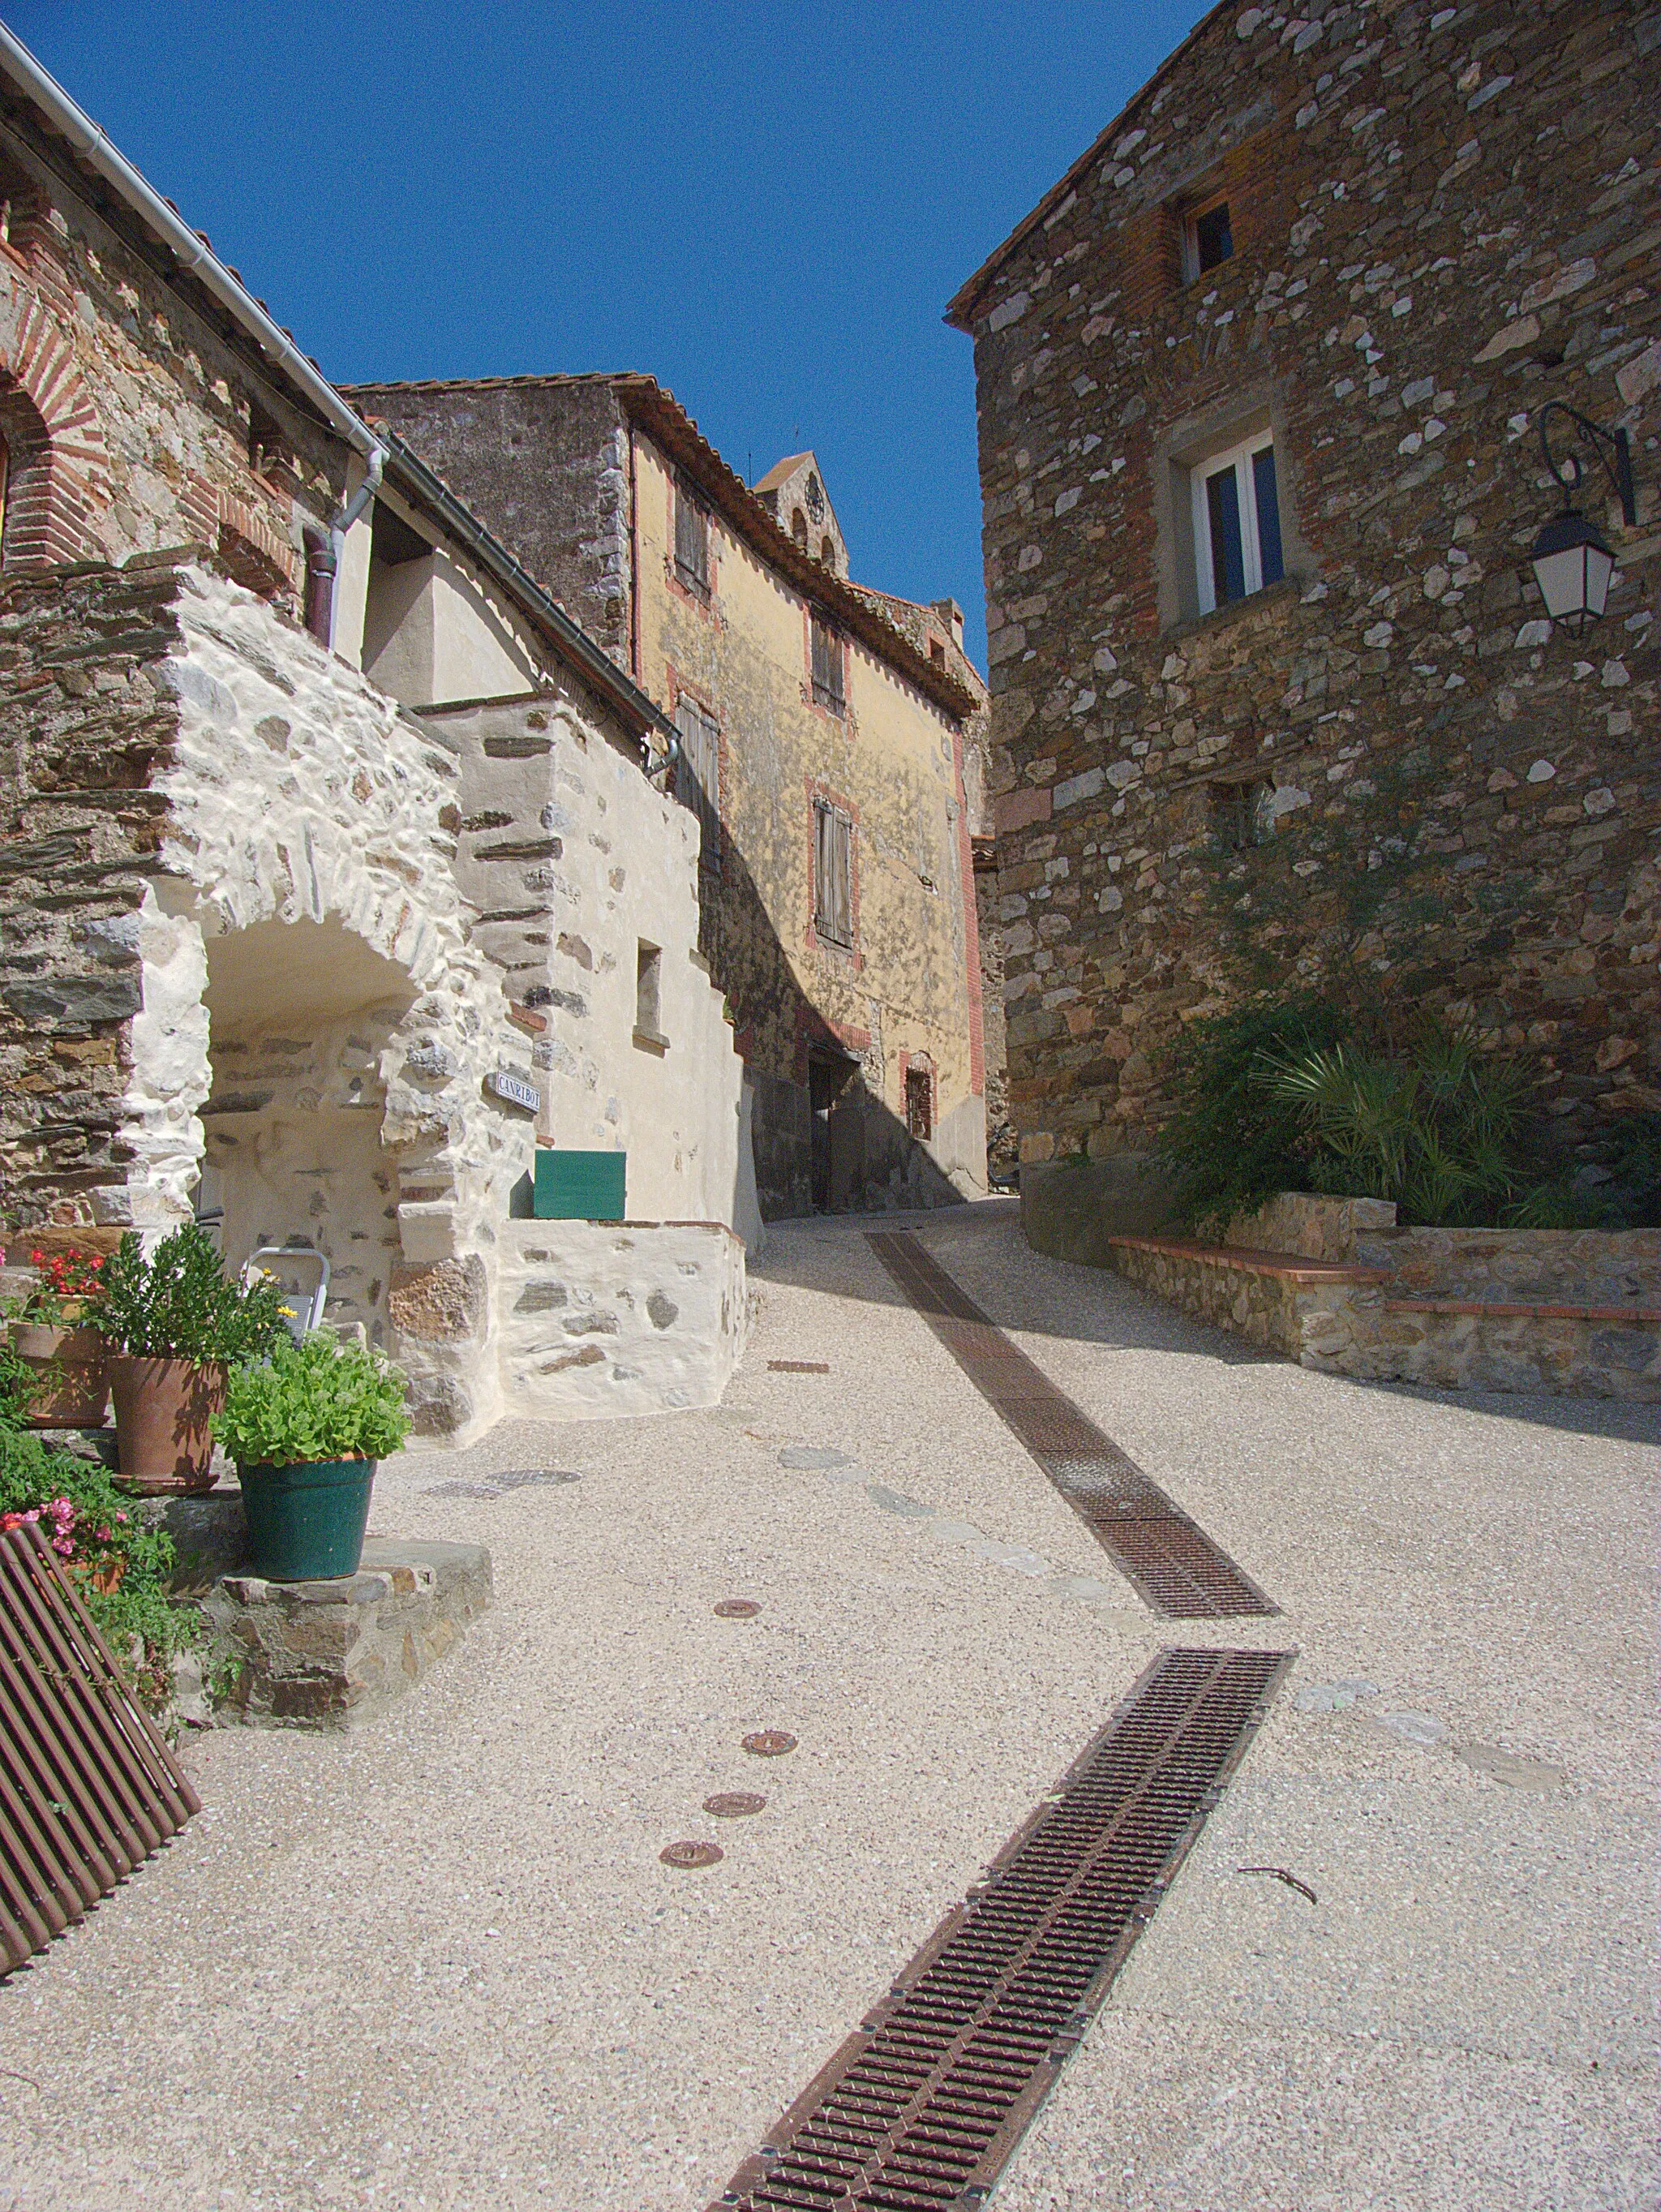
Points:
(442, 1963)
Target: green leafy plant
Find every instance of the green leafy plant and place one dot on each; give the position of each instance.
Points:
(1440, 1128)
(316, 1399)
(179, 1302)
(20, 1385)
(120, 1564)
(1230, 1145)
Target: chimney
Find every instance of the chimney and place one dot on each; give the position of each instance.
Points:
(952, 615)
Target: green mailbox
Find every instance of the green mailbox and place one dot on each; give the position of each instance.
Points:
(572, 1186)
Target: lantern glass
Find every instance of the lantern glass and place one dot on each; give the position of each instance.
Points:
(1572, 566)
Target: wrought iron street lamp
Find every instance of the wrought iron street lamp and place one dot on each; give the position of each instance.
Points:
(1571, 564)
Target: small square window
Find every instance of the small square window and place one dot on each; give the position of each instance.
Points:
(1237, 523)
(1239, 814)
(826, 648)
(1209, 240)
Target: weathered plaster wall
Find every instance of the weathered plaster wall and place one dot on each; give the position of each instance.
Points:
(624, 1317)
(1441, 218)
(572, 860)
(893, 760)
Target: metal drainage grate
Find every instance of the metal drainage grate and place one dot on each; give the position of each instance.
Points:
(924, 2105)
(88, 1788)
(1172, 1562)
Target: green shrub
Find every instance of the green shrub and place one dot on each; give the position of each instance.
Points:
(179, 1303)
(316, 1399)
(1298, 1094)
(1231, 1145)
(1442, 1128)
(91, 1526)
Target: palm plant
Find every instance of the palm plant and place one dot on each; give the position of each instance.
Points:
(1439, 1130)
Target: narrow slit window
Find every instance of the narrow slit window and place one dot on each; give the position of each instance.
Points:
(919, 1103)
(1211, 238)
(1237, 524)
(1239, 814)
(691, 542)
(832, 874)
(648, 991)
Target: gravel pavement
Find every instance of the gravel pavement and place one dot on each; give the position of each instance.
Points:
(439, 1964)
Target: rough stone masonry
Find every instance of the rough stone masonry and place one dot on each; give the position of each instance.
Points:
(1386, 771)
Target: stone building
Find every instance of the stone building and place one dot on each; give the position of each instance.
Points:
(1273, 696)
(338, 867)
(828, 741)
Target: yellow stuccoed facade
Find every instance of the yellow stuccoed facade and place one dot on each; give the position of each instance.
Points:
(831, 1033)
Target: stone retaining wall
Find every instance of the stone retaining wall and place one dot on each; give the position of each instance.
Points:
(1350, 1328)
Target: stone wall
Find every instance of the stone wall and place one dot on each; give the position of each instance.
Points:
(235, 886)
(1316, 1228)
(1444, 1312)
(619, 1317)
(1441, 220)
(133, 426)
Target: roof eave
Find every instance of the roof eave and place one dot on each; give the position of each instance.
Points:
(646, 402)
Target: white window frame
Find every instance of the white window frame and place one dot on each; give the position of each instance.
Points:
(1239, 458)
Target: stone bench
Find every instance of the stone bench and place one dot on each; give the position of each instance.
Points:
(1282, 1300)
(1247, 1259)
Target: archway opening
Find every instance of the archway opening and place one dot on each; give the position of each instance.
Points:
(299, 1014)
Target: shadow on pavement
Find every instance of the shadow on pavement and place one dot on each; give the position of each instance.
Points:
(1088, 1305)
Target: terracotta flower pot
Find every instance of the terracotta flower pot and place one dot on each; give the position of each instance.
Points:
(76, 1364)
(163, 1411)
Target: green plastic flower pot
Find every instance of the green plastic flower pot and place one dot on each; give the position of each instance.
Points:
(305, 1523)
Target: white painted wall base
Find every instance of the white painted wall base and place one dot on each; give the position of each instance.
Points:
(598, 1319)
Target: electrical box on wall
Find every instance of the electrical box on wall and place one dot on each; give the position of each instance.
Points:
(572, 1186)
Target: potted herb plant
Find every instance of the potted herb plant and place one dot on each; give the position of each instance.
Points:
(53, 1338)
(307, 1427)
(175, 1321)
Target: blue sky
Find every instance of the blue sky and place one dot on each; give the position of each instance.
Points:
(765, 206)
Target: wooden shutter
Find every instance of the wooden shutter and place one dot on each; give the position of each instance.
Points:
(832, 874)
(691, 541)
(826, 648)
(698, 777)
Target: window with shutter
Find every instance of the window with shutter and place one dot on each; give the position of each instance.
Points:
(832, 874)
(827, 652)
(698, 778)
(691, 541)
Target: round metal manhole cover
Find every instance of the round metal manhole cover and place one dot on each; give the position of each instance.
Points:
(733, 1804)
(770, 1743)
(691, 1855)
(737, 1609)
